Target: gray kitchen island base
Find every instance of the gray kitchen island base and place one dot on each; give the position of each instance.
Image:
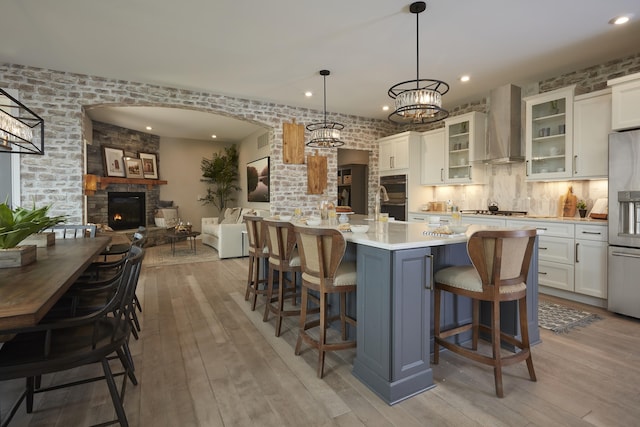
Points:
(394, 309)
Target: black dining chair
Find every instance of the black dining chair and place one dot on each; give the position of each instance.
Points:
(59, 345)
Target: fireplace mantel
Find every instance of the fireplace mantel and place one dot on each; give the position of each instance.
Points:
(102, 182)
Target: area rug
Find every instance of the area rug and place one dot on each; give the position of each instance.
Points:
(162, 255)
(561, 319)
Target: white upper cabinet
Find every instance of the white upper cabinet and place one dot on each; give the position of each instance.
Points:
(464, 140)
(549, 134)
(625, 107)
(394, 152)
(591, 129)
(432, 155)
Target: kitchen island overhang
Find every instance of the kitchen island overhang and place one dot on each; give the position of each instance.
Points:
(395, 266)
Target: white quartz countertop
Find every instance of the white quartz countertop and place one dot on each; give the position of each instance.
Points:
(575, 220)
(396, 235)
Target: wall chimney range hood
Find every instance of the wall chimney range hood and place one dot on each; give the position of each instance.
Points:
(504, 138)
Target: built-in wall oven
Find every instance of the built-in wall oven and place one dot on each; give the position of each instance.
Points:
(396, 206)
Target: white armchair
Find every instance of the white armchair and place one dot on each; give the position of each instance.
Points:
(228, 239)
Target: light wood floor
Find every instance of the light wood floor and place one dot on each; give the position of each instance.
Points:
(205, 360)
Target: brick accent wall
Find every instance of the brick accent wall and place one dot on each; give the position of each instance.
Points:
(62, 99)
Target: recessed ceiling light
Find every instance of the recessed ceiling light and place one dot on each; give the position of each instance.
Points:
(214, 136)
(465, 78)
(149, 128)
(385, 108)
(619, 20)
(308, 94)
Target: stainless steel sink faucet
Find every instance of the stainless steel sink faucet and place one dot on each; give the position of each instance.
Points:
(376, 212)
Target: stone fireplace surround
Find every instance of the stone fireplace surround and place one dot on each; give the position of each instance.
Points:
(131, 142)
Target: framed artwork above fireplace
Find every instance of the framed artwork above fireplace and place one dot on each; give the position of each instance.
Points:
(133, 167)
(113, 161)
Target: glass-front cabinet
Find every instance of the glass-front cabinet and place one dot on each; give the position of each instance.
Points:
(549, 134)
(464, 137)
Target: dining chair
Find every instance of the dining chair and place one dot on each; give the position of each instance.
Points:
(258, 252)
(499, 273)
(283, 258)
(324, 271)
(59, 345)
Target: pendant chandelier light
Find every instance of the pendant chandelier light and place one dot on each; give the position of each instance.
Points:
(325, 134)
(21, 130)
(420, 100)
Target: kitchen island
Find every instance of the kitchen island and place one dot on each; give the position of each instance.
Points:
(395, 266)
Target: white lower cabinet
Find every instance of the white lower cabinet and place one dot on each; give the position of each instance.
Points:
(571, 257)
(591, 261)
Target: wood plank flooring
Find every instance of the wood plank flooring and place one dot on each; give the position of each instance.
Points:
(204, 359)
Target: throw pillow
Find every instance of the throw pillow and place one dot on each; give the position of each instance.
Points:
(231, 216)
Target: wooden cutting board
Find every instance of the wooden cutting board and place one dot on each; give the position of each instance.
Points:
(567, 205)
(317, 172)
(293, 143)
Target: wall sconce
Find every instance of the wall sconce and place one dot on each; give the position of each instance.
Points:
(21, 130)
(90, 184)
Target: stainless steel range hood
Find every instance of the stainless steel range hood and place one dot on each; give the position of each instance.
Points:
(504, 139)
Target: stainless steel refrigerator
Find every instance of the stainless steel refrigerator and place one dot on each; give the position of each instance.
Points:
(624, 223)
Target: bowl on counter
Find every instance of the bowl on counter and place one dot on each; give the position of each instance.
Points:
(359, 228)
(314, 221)
(458, 228)
(285, 217)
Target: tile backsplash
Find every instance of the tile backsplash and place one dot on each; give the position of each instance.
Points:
(506, 185)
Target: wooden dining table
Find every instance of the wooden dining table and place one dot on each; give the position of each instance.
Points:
(27, 293)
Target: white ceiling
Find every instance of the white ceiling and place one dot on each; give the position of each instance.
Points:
(272, 50)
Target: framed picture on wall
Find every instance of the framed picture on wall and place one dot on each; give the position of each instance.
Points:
(258, 180)
(113, 161)
(133, 167)
(149, 165)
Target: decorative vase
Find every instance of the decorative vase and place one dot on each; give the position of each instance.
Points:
(582, 212)
(18, 256)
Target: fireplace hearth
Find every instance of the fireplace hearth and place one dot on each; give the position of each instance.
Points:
(126, 210)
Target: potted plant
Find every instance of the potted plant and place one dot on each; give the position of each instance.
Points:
(582, 208)
(221, 171)
(15, 226)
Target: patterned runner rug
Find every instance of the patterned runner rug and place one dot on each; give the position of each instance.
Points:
(561, 319)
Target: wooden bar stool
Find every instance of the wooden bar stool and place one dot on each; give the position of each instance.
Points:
(284, 258)
(258, 251)
(323, 271)
(499, 273)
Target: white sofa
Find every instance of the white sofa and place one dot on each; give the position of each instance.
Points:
(227, 236)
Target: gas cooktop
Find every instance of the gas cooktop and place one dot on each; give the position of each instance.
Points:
(498, 213)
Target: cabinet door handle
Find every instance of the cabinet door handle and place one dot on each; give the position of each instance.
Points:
(470, 171)
(542, 272)
(541, 228)
(592, 232)
(526, 168)
(577, 245)
(575, 164)
(542, 248)
(429, 283)
(442, 174)
(622, 254)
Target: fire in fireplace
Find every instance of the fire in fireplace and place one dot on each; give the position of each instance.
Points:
(126, 210)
